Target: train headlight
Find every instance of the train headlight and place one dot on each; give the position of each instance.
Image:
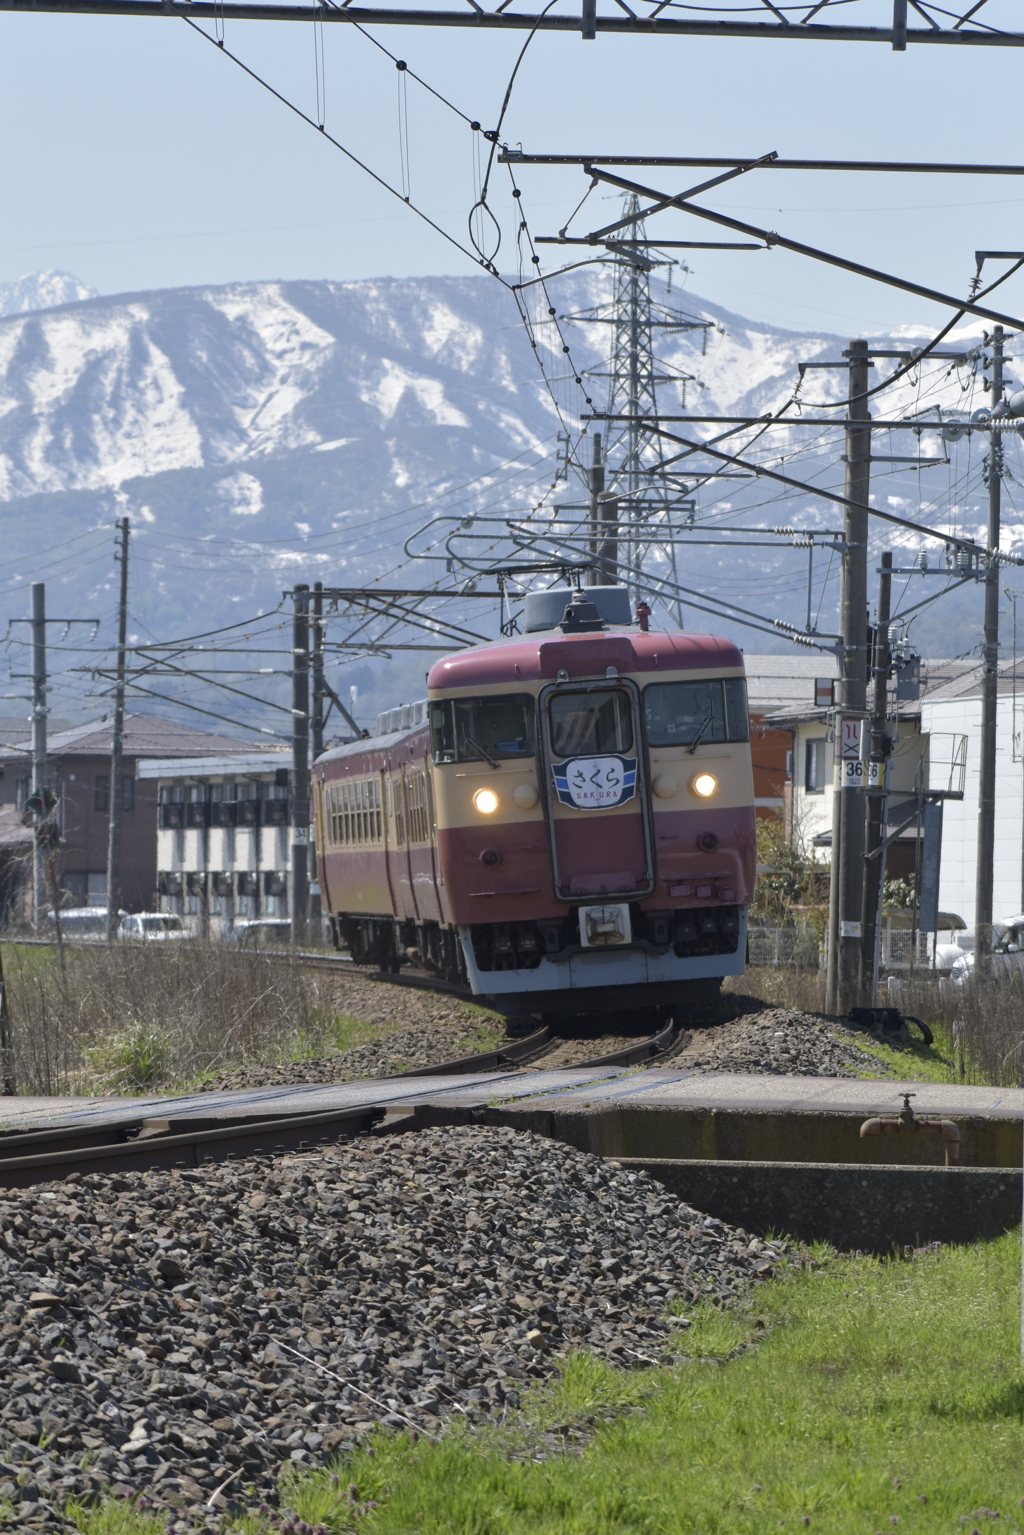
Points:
(485, 801)
(704, 785)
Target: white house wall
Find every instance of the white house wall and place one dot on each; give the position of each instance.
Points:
(962, 716)
(812, 813)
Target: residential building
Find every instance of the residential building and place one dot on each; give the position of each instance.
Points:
(951, 712)
(774, 684)
(223, 843)
(921, 757)
(79, 774)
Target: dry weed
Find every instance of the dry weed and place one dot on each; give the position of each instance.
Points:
(138, 1017)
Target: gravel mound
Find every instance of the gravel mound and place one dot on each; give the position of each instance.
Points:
(779, 1042)
(153, 1322)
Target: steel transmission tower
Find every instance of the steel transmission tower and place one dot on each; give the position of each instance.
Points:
(646, 502)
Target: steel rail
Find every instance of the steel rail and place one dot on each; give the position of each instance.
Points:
(509, 1052)
(189, 1149)
(662, 25)
(152, 1144)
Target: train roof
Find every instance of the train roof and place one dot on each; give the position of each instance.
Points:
(582, 655)
(370, 745)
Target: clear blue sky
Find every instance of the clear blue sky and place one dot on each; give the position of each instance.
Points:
(138, 157)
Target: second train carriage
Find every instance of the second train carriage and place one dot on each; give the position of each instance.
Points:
(567, 822)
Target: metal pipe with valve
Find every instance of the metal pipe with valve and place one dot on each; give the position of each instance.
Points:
(908, 1123)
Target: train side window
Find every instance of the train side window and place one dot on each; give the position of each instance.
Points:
(581, 723)
(482, 729)
(442, 730)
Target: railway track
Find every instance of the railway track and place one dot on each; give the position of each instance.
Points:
(144, 1143)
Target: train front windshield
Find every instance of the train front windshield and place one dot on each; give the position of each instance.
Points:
(586, 724)
(482, 729)
(678, 713)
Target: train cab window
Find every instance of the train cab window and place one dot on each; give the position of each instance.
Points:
(678, 713)
(584, 723)
(482, 729)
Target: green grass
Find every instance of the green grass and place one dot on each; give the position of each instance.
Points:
(879, 1385)
(877, 1391)
(915, 1061)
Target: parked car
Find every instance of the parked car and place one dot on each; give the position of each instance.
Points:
(260, 931)
(1007, 952)
(152, 926)
(81, 924)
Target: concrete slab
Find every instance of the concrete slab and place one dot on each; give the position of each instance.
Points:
(613, 1111)
(733, 1091)
(738, 1117)
(23, 1114)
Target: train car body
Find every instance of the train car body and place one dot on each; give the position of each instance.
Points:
(568, 824)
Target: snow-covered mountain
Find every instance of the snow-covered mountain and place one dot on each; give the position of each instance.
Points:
(263, 433)
(41, 290)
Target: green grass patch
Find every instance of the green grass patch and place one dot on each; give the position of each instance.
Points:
(883, 1393)
(113, 1518)
(915, 1061)
(878, 1396)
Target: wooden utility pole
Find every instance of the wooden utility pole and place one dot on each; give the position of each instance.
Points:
(989, 677)
(316, 732)
(300, 763)
(115, 798)
(847, 871)
(596, 575)
(7, 1083)
(316, 736)
(39, 881)
(876, 787)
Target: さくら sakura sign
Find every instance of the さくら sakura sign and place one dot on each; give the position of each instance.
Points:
(595, 783)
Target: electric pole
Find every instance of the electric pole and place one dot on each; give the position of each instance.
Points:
(38, 749)
(608, 552)
(876, 786)
(300, 763)
(596, 575)
(989, 677)
(317, 664)
(8, 1088)
(117, 743)
(847, 870)
(317, 731)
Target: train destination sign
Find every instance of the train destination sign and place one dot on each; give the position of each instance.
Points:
(595, 783)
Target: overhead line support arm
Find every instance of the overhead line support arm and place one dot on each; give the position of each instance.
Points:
(501, 20)
(964, 306)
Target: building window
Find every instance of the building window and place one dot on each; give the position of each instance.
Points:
(101, 793)
(21, 793)
(127, 793)
(814, 765)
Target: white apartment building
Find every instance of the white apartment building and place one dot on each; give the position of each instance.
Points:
(955, 710)
(223, 836)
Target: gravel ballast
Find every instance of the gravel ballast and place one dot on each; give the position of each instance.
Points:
(778, 1041)
(152, 1322)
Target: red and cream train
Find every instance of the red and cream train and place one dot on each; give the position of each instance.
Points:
(567, 823)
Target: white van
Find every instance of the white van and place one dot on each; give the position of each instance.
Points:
(152, 927)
